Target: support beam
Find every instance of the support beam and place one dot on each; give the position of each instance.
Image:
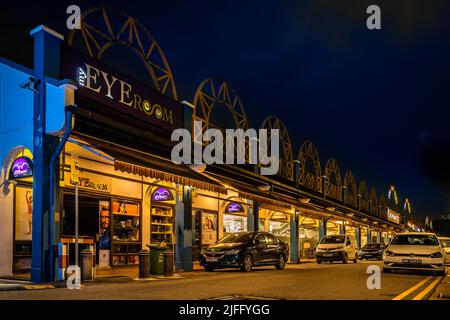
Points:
(294, 257)
(183, 256)
(255, 214)
(358, 237)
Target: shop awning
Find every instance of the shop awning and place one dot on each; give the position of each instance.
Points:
(251, 192)
(152, 166)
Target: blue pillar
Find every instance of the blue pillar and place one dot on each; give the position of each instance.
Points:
(183, 257)
(369, 235)
(250, 219)
(358, 237)
(294, 239)
(379, 237)
(255, 215)
(322, 228)
(46, 64)
(341, 229)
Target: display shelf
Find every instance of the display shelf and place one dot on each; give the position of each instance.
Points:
(162, 224)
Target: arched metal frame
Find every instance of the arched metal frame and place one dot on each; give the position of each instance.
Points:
(364, 196)
(212, 92)
(286, 159)
(99, 35)
(382, 204)
(351, 190)
(374, 202)
(333, 188)
(312, 180)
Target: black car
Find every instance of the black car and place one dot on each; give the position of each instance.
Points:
(245, 250)
(371, 251)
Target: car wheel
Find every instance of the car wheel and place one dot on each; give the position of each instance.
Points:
(319, 261)
(281, 262)
(209, 269)
(345, 258)
(247, 263)
(387, 270)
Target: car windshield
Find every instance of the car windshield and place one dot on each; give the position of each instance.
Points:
(371, 246)
(235, 238)
(422, 240)
(332, 239)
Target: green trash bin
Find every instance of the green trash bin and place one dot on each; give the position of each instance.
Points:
(157, 259)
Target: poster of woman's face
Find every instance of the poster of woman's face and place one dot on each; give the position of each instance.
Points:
(24, 213)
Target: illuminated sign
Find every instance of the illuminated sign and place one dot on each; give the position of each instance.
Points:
(393, 216)
(89, 181)
(108, 87)
(234, 207)
(162, 194)
(22, 167)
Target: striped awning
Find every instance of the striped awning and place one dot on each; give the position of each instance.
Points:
(181, 175)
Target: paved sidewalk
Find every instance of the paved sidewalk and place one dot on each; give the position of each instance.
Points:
(442, 292)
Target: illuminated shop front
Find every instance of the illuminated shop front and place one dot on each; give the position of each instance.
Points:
(276, 222)
(308, 236)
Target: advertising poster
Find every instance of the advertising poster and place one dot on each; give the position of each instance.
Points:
(104, 240)
(209, 228)
(24, 213)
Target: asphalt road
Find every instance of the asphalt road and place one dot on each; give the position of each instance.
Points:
(305, 281)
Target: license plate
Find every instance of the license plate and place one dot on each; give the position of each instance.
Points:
(414, 261)
(212, 259)
(327, 254)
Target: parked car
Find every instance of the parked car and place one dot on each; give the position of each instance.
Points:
(371, 251)
(414, 251)
(336, 248)
(445, 242)
(245, 250)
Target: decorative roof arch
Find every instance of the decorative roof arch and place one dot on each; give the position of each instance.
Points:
(364, 196)
(382, 204)
(307, 178)
(209, 94)
(103, 27)
(373, 202)
(351, 190)
(286, 159)
(333, 183)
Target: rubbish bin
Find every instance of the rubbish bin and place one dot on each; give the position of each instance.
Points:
(86, 265)
(144, 264)
(168, 263)
(157, 259)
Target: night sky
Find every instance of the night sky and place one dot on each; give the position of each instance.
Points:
(378, 101)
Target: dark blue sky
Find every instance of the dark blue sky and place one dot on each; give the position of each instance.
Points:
(378, 101)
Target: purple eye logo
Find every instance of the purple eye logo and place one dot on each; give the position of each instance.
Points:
(162, 194)
(234, 207)
(22, 167)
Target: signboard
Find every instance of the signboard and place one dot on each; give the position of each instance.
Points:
(110, 88)
(162, 194)
(234, 207)
(89, 181)
(22, 167)
(393, 216)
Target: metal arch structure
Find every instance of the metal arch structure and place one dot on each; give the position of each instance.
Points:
(333, 188)
(286, 161)
(351, 190)
(364, 196)
(382, 204)
(373, 202)
(214, 91)
(311, 180)
(99, 34)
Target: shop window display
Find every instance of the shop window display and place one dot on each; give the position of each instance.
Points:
(162, 227)
(125, 232)
(23, 229)
(234, 223)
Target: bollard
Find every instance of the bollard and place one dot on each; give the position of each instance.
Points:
(86, 265)
(168, 263)
(144, 264)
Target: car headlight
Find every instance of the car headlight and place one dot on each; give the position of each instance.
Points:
(436, 255)
(388, 253)
(233, 251)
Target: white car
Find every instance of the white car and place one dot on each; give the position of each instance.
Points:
(337, 248)
(445, 242)
(414, 251)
